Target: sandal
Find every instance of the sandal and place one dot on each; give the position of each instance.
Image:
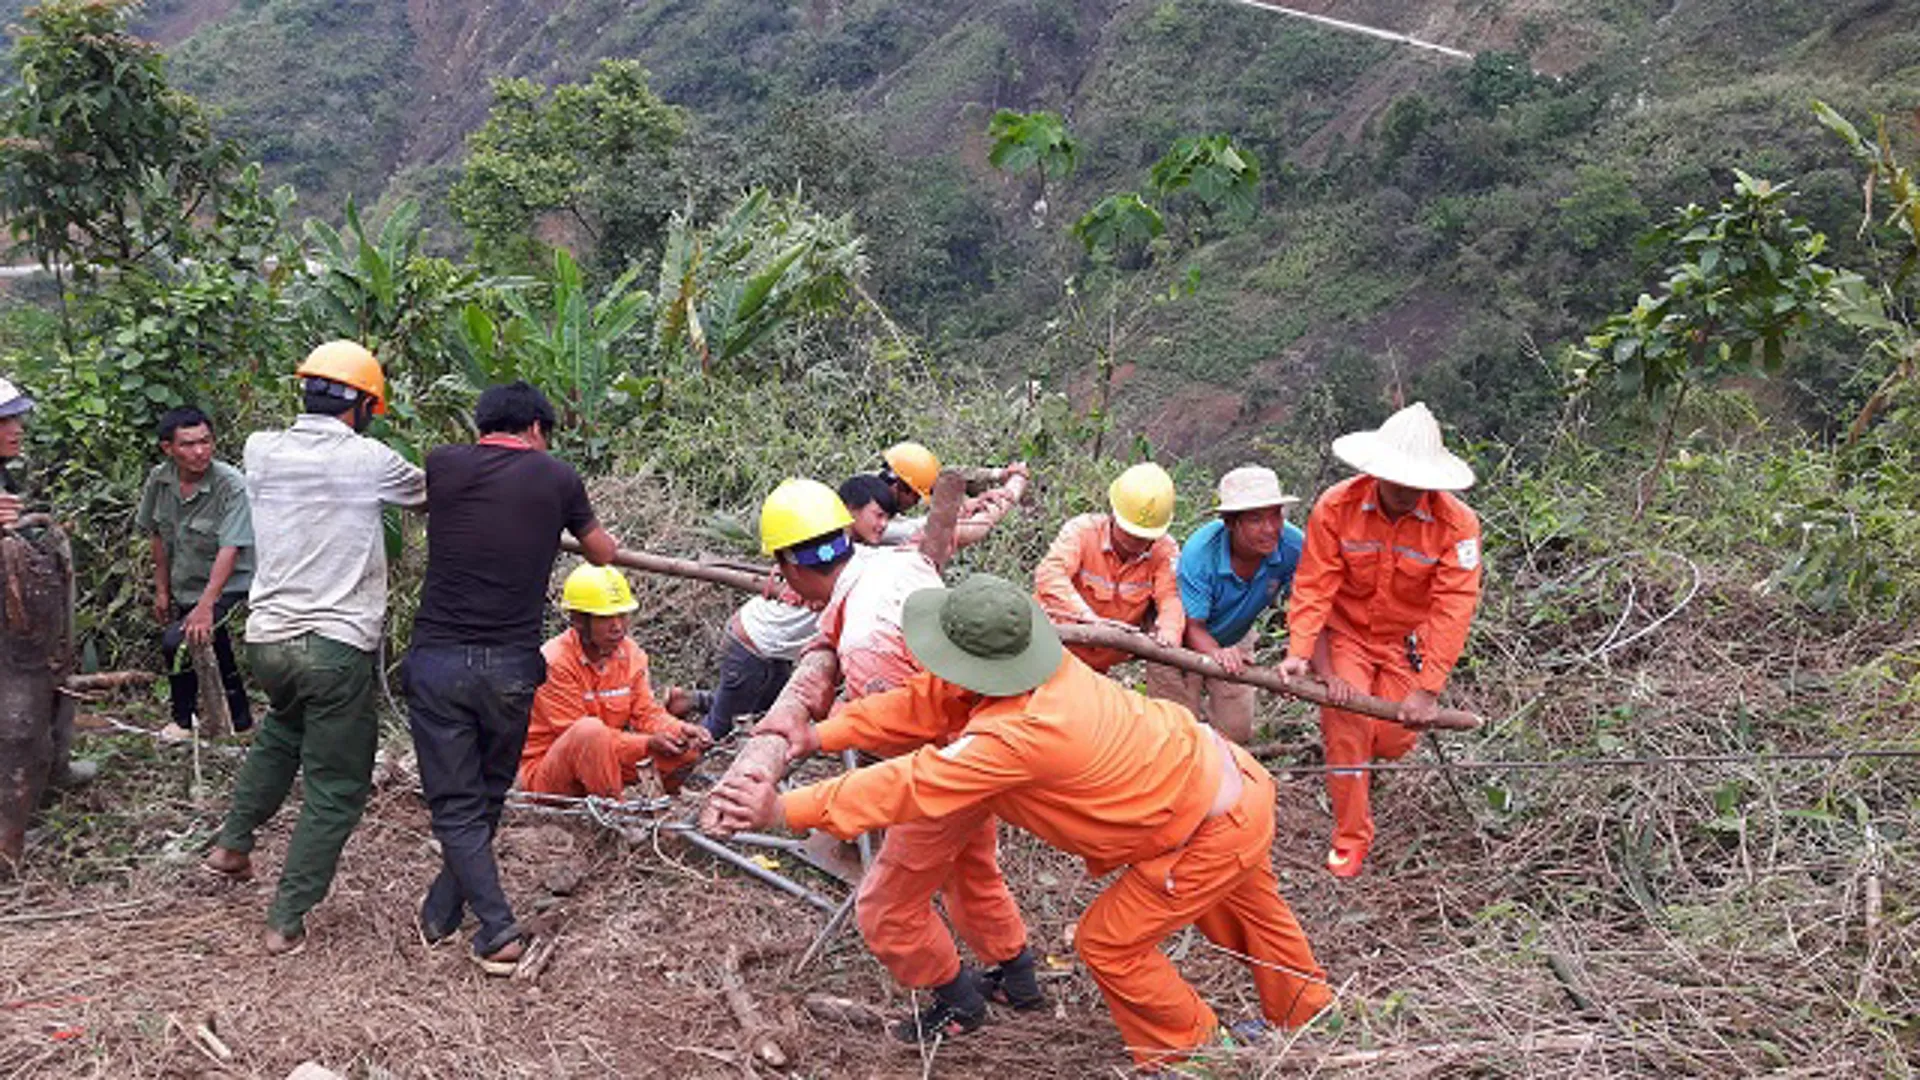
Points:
(500, 966)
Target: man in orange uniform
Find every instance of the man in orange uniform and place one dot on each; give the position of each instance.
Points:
(595, 720)
(1092, 768)
(1117, 567)
(1381, 603)
(863, 591)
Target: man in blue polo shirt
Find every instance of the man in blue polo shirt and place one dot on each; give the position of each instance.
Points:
(1231, 571)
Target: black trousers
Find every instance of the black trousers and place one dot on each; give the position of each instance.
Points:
(183, 683)
(467, 707)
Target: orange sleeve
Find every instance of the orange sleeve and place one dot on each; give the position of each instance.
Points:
(1454, 596)
(1053, 578)
(930, 782)
(1315, 581)
(648, 715)
(560, 700)
(920, 711)
(1169, 615)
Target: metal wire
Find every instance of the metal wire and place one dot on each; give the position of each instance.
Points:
(1648, 761)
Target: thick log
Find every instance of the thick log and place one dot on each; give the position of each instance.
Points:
(806, 698)
(110, 680)
(1144, 647)
(937, 540)
(1133, 643)
(728, 574)
(215, 720)
(36, 656)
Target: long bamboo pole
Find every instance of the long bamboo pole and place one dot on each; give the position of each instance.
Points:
(1144, 647)
(1108, 637)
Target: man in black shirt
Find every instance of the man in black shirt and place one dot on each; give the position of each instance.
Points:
(495, 510)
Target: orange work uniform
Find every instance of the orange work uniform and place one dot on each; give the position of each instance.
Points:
(1081, 576)
(1120, 780)
(588, 732)
(1367, 582)
(956, 856)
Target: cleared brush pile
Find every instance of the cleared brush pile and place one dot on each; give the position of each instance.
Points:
(1698, 919)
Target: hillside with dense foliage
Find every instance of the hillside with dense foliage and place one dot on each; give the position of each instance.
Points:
(1664, 303)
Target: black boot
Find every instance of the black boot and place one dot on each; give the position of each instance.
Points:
(957, 1008)
(1014, 983)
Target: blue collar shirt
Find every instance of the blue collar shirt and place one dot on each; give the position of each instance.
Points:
(1227, 603)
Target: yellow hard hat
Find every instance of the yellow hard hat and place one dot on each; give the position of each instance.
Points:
(349, 364)
(597, 590)
(1142, 500)
(798, 511)
(914, 464)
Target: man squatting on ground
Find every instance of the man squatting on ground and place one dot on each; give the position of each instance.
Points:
(1008, 724)
(315, 609)
(804, 525)
(595, 720)
(1231, 572)
(495, 511)
(1382, 603)
(1117, 567)
(194, 507)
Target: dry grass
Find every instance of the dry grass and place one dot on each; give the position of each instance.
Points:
(1704, 921)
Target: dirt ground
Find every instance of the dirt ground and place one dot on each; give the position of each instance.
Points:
(1448, 957)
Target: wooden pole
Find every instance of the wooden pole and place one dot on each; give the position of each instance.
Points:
(937, 541)
(215, 720)
(109, 680)
(699, 570)
(1144, 647)
(1108, 637)
(805, 699)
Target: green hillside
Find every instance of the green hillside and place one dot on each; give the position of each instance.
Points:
(1428, 224)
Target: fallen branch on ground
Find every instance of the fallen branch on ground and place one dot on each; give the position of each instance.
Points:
(734, 987)
(108, 680)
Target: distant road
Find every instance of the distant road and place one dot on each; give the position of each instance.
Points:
(1358, 28)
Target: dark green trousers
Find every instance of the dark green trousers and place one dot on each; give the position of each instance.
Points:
(321, 723)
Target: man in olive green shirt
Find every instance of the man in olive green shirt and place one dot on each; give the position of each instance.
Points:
(196, 510)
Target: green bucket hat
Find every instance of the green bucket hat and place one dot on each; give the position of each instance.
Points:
(985, 634)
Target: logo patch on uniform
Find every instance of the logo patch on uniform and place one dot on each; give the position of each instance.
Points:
(1468, 551)
(955, 748)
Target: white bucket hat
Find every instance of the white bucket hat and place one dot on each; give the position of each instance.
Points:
(1251, 487)
(13, 401)
(1406, 450)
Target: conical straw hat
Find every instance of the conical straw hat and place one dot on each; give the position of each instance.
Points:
(1406, 450)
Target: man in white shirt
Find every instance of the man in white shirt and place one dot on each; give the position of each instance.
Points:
(316, 608)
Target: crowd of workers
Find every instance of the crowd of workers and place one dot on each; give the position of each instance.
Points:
(965, 702)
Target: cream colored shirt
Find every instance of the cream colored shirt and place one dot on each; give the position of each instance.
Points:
(320, 554)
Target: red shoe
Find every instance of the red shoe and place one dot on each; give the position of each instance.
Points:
(1345, 862)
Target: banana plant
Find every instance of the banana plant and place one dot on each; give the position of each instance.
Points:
(572, 346)
(769, 267)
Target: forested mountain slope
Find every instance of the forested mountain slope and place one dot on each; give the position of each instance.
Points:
(1428, 226)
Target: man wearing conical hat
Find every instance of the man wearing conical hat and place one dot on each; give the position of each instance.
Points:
(1014, 725)
(1381, 604)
